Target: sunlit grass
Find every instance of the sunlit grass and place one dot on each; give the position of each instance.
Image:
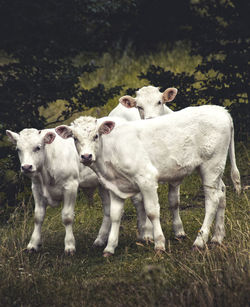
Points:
(124, 69)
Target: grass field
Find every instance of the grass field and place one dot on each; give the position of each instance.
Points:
(135, 275)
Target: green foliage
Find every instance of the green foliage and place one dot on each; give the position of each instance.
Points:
(41, 40)
(25, 88)
(28, 86)
(220, 34)
(222, 38)
(187, 93)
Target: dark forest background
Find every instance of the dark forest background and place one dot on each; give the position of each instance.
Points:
(40, 40)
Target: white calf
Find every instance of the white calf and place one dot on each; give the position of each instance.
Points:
(145, 229)
(128, 114)
(53, 166)
(149, 101)
(137, 155)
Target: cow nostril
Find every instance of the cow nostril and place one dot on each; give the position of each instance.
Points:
(27, 167)
(86, 157)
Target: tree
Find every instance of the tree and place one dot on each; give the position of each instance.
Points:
(41, 39)
(160, 77)
(221, 35)
(219, 32)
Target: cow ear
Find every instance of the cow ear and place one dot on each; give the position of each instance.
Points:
(106, 127)
(13, 137)
(169, 94)
(49, 137)
(128, 101)
(64, 131)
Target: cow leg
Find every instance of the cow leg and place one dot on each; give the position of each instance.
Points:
(219, 228)
(174, 202)
(105, 227)
(40, 210)
(116, 210)
(152, 208)
(212, 197)
(145, 227)
(70, 193)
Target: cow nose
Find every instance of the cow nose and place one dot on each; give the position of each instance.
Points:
(26, 167)
(86, 157)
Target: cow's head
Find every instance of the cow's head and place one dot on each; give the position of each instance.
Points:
(149, 101)
(30, 145)
(86, 132)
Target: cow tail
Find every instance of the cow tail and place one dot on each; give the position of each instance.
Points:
(235, 174)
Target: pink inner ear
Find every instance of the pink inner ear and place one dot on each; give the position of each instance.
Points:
(49, 137)
(127, 101)
(110, 125)
(63, 132)
(169, 94)
(106, 127)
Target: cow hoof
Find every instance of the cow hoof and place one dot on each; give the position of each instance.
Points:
(180, 238)
(107, 254)
(149, 240)
(196, 248)
(98, 243)
(69, 252)
(31, 250)
(214, 244)
(146, 240)
(159, 251)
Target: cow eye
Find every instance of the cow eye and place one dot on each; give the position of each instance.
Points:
(159, 102)
(75, 139)
(96, 137)
(37, 148)
(140, 108)
(18, 150)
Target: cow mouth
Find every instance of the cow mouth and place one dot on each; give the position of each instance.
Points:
(86, 162)
(28, 172)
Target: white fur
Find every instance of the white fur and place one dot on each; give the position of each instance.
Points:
(150, 102)
(147, 102)
(135, 156)
(56, 175)
(123, 112)
(147, 106)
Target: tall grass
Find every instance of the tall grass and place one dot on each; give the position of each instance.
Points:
(135, 275)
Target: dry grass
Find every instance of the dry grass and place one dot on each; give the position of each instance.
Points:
(135, 276)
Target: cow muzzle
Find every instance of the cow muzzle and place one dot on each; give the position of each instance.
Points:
(27, 168)
(86, 159)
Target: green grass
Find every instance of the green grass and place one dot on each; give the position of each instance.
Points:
(135, 275)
